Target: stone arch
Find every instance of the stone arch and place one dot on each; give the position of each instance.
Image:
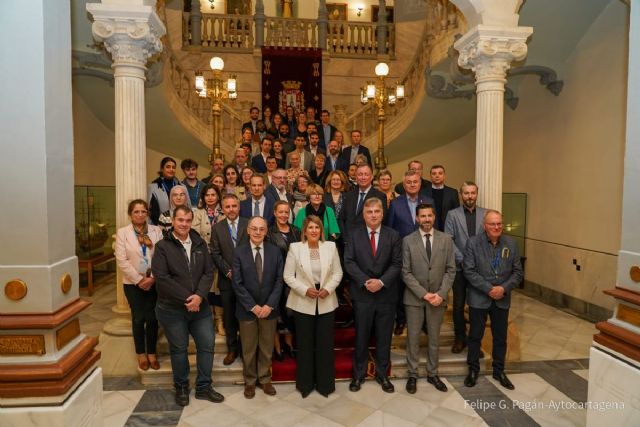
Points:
(503, 13)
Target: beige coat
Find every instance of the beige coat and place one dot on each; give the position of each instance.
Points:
(129, 253)
(299, 277)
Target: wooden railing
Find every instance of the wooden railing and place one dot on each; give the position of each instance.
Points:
(287, 32)
(357, 39)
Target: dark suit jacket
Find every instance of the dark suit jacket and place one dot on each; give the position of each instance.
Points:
(361, 265)
(449, 201)
(271, 192)
(349, 218)
(400, 218)
(346, 154)
(222, 248)
(249, 291)
(250, 126)
(246, 208)
(425, 184)
(257, 162)
(341, 164)
(319, 179)
(322, 136)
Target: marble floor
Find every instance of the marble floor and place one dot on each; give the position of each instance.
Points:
(550, 380)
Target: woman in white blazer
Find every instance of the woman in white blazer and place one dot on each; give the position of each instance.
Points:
(134, 250)
(313, 272)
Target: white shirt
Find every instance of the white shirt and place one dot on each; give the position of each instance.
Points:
(186, 244)
(437, 187)
(430, 233)
(377, 235)
(254, 251)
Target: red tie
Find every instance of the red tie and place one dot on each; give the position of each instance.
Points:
(373, 242)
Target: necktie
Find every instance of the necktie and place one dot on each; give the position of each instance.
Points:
(373, 242)
(360, 200)
(234, 233)
(256, 208)
(428, 245)
(259, 264)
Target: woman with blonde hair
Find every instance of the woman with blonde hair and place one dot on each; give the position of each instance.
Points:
(313, 272)
(178, 196)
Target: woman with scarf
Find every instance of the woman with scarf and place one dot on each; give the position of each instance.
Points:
(205, 218)
(300, 199)
(160, 188)
(316, 206)
(178, 196)
(134, 250)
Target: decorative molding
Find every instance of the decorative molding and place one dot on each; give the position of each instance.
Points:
(98, 64)
(43, 320)
(22, 345)
(634, 273)
(15, 289)
(67, 333)
(66, 283)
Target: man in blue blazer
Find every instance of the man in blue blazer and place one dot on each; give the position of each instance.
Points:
(462, 223)
(334, 159)
(259, 161)
(492, 267)
(258, 204)
(373, 261)
(349, 154)
(402, 218)
(257, 282)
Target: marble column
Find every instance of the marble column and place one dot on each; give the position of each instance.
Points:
(131, 34)
(614, 360)
(381, 28)
(195, 18)
(323, 21)
(49, 374)
(489, 52)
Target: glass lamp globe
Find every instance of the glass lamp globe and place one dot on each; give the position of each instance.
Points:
(217, 64)
(382, 69)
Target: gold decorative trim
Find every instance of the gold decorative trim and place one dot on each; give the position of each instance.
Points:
(15, 289)
(67, 333)
(634, 273)
(65, 283)
(22, 344)
(628, 314)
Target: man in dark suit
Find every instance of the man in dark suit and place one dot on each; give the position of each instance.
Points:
(314, 147)
(257, 282)
(351, 213)
(226, 235)
(417, 166)
(492, 267)
(349, 154)
(373, 261)
(444, 198)
(258, 204)
(259, 161)
(402, 218)
(462, 223)
(252, 124)
(326, 130)
(334, 159)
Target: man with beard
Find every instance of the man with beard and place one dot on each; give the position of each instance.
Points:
(334, 159)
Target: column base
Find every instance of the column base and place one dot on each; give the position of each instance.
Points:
(613, 389)
(83, 407)
(119, 326)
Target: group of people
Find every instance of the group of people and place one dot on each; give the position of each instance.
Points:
(273, 259)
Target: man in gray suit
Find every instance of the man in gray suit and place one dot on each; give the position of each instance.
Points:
(428, 270)
(492, 267)
(462, 223)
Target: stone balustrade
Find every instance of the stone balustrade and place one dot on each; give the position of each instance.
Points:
(290, 32)
(357, 38)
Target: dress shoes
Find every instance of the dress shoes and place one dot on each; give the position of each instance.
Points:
(399, 329)
(411, 385)
(268, 389)
(437, 383)
(229, 358)
(458, 346)
(387, 387)
(349, 323)
(209, 394)
(471, 379)
(305, 394)
(278, 355)
(503, 380)
(355, 384)
(250, 391)
(143, 364)
(182, 396)
(154, 364)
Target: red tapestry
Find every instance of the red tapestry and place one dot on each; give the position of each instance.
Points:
(291, 77)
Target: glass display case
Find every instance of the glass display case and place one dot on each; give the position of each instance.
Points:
(95, 209)
(514, 218)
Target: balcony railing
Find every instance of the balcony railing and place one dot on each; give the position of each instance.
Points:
(239, 33)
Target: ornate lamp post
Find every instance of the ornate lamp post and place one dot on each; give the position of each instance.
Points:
(376, 93)
(215, 90)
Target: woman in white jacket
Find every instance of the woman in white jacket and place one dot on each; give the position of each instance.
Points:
(313, 272)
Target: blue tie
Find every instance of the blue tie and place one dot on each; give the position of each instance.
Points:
(360, 200)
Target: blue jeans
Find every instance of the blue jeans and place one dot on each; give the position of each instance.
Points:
(178, 324)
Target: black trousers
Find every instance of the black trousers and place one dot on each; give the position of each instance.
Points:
(499, 322)
(401, 316)
(230, 321)
(144, 324)
(459, 298)
(316, 358)
(378, 317)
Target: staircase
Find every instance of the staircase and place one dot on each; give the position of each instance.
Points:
(450, 364)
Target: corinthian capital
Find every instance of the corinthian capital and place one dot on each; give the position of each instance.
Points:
(130, 33)
(489, 51)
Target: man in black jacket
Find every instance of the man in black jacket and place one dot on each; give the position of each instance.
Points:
(183, 271)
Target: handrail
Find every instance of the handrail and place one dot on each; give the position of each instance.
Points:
(290, 32)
